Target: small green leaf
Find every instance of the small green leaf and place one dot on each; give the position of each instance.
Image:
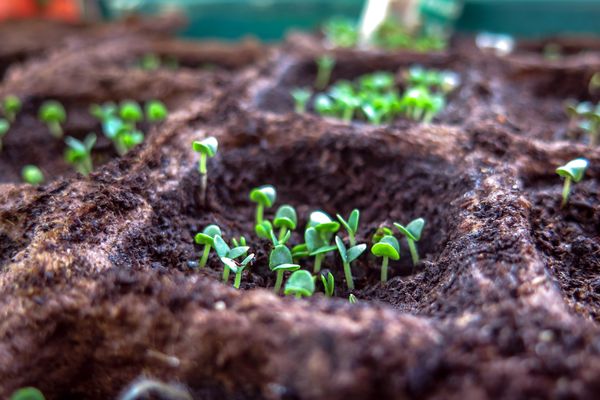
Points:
(264, 230)
(237, 252)
(352, 299)
(388, 246)
(221, 247)
(208, 146)
(341, 248)
(324, 249)
(130, 111)
(280, 255)
(352, 224)
(265, 195)
(52, 111)
(413, 230)
(300, 283)
(286, 267)
(27, 393)
(328, 284)
(231, 264)
(247, 260)
(156, 111)
(355, 252)
(574, 169)
(4, 126)
(285, 217)
(32, 175)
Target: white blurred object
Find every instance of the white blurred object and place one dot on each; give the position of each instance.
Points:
(499, 43)
(373, 15)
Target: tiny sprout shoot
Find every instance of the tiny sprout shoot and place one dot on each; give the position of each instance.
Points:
(156, 111)
(300, 284)
(27, 393)
(241, 242)
(300, 251)
(264, 229)
(380, 233)
(387, 248)
(317, 246)
(263, 196)
(572, 171)
(280, 260)
(4, 127)
(301, 97)
(206, 237)
(352, 299)
(11, 105)
(412, 231)
(32, 175)
(285, 220)
(53, 114)
(226, 253)
(328, 284)
(325, 65)
(349, 255)
(351, 225)
(130, 112)
(79, 154)
(207, 148)
(237, 268)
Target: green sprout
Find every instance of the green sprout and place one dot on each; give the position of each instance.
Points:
(11, 105)
(285, 220)
(207, 148)
(237, 268)
(325, 66)
(380, 233)
(207, 237)
(432, 79)
(4, 127)
(53, 114)
(420, 104)
(387, 248)
(263, 196)
(149, 62)
(79, 154)
(32, 175)
(346, 98)
(240, 242)
(319, 231)
(352, 299)
(301, 97)
(572, 171)
(130, 112)
(280, 260)
(27, 393)
(351, 225)
(103, 112)
(341, 32)
(227, 253)
(328, 284)
(156, 111)
(300, 284)
(349, 255)
(412, 231)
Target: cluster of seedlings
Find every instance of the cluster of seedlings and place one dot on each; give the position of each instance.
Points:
(375, 97)
(585, 116)
(391, 35)
(320, 238)
(119, 124)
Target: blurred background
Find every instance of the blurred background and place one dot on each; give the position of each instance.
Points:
(269, 20)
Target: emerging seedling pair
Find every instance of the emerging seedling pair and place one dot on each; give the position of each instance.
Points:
(301, 97)
(349, 255)
(300, 284)
(227, 255)
(53, 114)
(207, 148)
(79, 154)
(32, 175)
(412, 232)
(317, 237)
(572, 171)
(280, 260)
(325, 66)
(264, 197)
(388, 247)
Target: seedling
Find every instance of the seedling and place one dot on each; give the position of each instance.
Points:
(207, 237)
(11, 105)
(27, 393)
(237, 268)
(379, 82)
(380, 233)
(207, 148)
(351, 225)
(341, 32)
(130, 112)
(325, 66)
(300, 284)
(32, 175)
(280, 260)
(103, 112)
(412, 231)
(156, 111)
(301, 97)
(79, 154)
(387, 248)
(227, 253)
(263, 196)
(53, 114)
(349, 255)
(4, 127)
(352, 299)
(346, 100)
(572, 171)
(328, 284)
(285, 220)
(317, 246)
(240, 242)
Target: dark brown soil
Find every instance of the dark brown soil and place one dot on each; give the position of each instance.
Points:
(97, 274)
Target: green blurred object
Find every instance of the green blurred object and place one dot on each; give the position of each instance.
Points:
(270, 19)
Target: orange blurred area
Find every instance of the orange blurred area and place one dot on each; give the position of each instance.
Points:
(66, 10)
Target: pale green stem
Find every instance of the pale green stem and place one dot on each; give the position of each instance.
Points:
(55, 129)
(298, 295)
(348, 274)
(318, 260)
(226, 271)
(566, 191)
(278, 281)
(238, 278)
(259, 213)
(352, 239)
(204, 181)
(282, 232)
(323, 76)
(202, 164)
(384, 269)
(414, 255)
(300, 107)
(348, 112)
(205, 254)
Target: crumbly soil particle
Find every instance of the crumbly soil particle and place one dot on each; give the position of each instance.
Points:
(97, 278)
